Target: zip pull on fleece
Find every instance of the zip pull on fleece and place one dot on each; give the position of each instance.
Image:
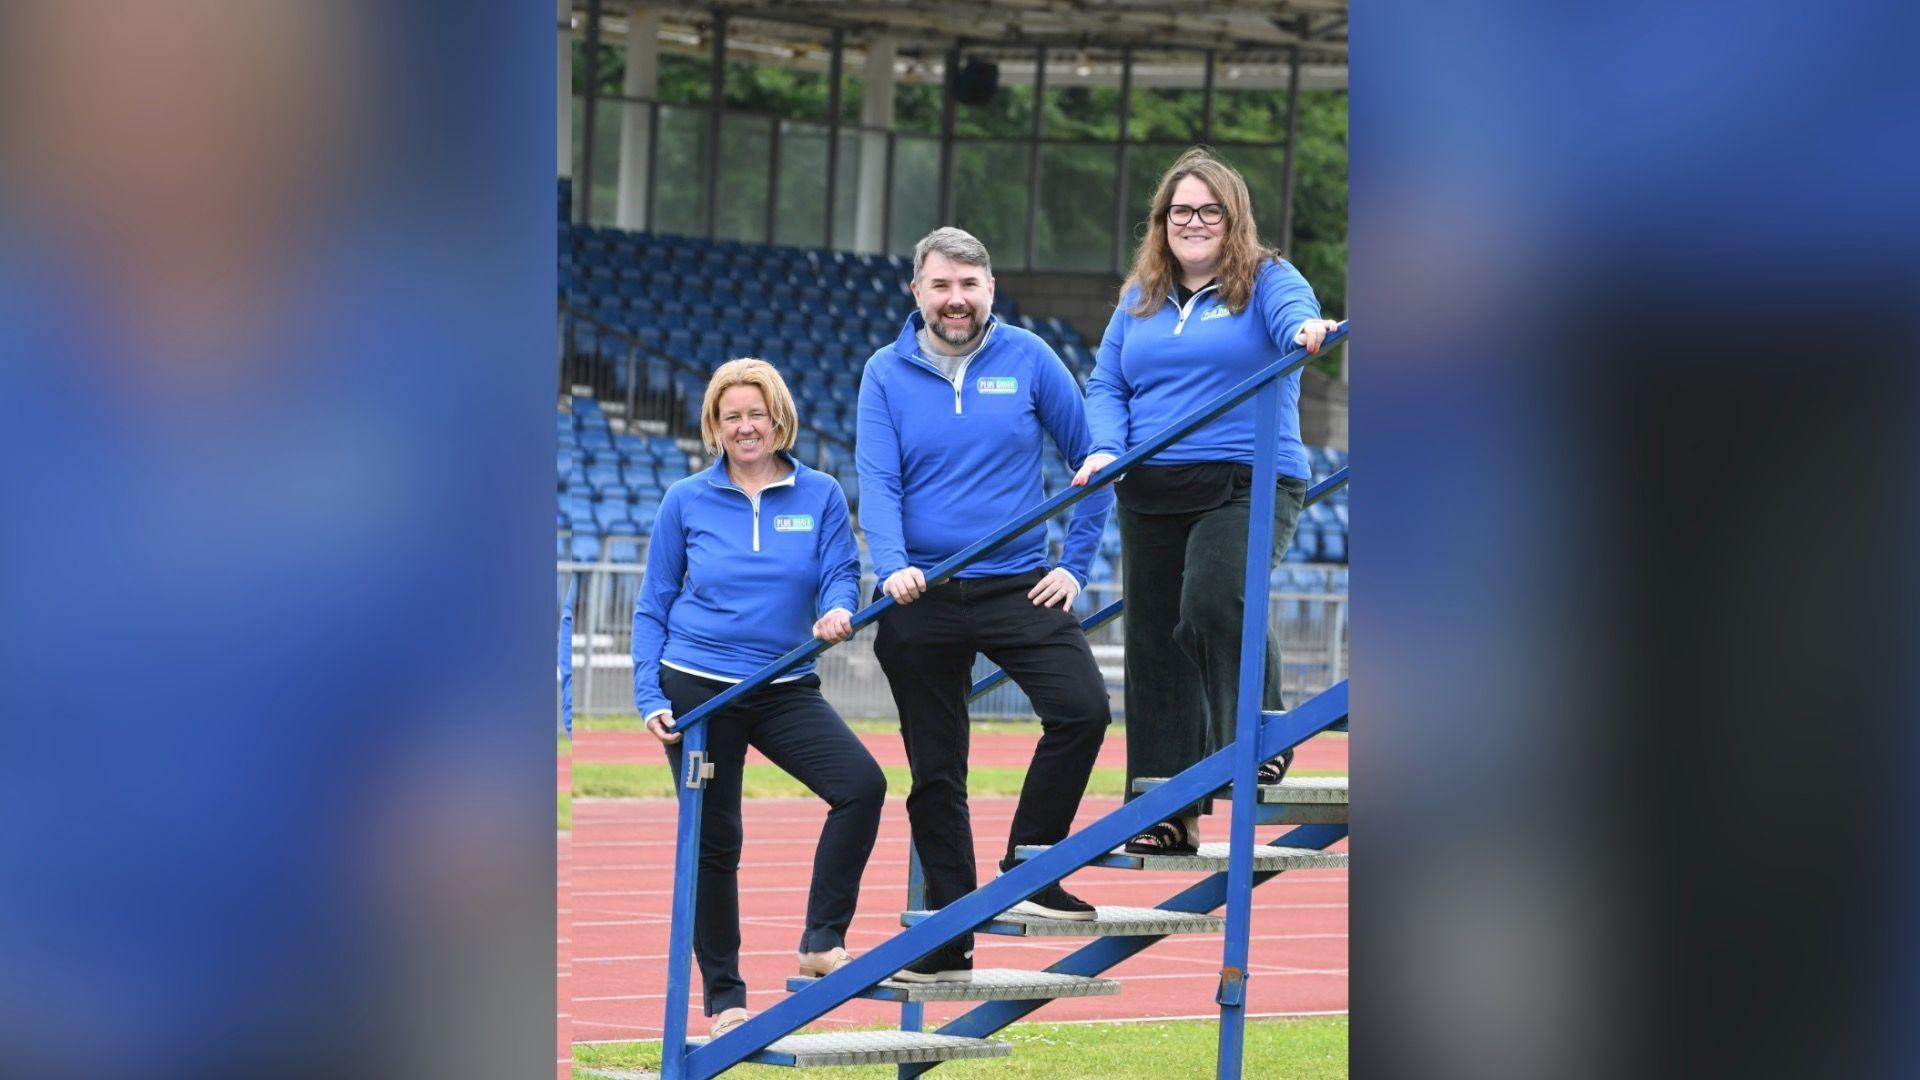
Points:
(1187, 309)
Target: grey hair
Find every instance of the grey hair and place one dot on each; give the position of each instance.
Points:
(957, 244)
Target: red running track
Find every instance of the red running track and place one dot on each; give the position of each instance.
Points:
(563, 919)
(619, 865)
(1328, 752)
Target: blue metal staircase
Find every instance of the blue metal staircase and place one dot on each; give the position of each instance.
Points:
(1317, 809)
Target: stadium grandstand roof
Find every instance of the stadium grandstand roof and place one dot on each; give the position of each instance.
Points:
(1252, 42)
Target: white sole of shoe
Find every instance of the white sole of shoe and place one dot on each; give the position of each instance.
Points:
(1028, 907)
(932, 977)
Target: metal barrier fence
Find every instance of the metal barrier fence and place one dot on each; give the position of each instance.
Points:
(1311, 624)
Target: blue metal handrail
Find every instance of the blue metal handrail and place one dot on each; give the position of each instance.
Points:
(1062, 858)
(1112, 611)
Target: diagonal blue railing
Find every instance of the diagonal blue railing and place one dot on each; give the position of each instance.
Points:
(1235, 764)
(1112, 611)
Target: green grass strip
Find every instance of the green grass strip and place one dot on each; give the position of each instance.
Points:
(1308, 1048)
(873, 726)
(564, 805)
(616, 780)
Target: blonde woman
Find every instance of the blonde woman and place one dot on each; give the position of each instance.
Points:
(1204, 308)
(747, 559)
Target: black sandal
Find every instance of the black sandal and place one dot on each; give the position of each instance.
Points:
(1167, 838)
(1272, 772)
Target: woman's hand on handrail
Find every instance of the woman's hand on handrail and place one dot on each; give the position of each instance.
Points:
(660, 725)
(1313, 332)
(905, 586)
(1093, 464)
(834, 627)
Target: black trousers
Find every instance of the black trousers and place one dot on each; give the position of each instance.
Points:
(927, 649)
(1184, 577)
(792, 724)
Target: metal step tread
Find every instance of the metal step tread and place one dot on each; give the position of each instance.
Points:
(989, 984)
(1211, 857)
(1108, 921)
(1305, 789)
(873, 1048)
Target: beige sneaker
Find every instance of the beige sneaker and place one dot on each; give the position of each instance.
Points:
(727, 1021)
(820, 964)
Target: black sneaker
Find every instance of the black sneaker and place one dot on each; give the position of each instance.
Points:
(939, 966)
(1054, 902)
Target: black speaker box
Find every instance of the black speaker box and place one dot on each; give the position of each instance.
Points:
(976, 82)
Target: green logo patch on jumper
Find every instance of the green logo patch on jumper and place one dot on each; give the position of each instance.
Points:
(998, 386)
(1218, 311)
(793, 523)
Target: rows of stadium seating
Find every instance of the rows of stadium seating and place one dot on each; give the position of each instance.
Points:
(815, 313)
(693, 304)
(610, 485)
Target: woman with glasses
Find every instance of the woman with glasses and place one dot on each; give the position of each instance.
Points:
(748, 559)
(1204, 307)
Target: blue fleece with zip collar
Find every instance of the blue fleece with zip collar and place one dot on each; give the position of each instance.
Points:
(1151, 372)
(944, 463)
(734, 583)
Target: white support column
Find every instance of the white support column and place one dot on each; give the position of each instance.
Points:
(642, 81)
(564, 63)
(876, 111)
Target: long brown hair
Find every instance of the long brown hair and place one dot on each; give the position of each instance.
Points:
(1155, 268)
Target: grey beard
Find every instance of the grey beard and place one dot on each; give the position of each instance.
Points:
(955, 337)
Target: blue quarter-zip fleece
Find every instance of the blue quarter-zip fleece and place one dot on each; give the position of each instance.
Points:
(942, 464)
(1151, 372)
(732, 585)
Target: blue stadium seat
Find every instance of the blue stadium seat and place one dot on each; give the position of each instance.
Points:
(1333, 545)
(606, 512)
(586, 547)
(604, 472)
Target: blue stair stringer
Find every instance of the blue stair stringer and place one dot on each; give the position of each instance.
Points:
(1258, 736)
(1280, 731)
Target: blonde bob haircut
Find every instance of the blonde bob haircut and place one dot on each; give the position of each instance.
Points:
(763, 377)
(1155, 268)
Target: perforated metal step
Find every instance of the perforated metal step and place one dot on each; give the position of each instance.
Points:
(989, 984)
(1212, 857)
(1107, 922)
(1309, 800)
(873, 1048)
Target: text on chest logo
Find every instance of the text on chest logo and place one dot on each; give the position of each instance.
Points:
(991, 385)
(793, 523)
(1218, 311)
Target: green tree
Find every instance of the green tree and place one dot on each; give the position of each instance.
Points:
(991, 192)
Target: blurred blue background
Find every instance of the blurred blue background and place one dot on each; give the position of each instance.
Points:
(1634, 604)
(274, 633)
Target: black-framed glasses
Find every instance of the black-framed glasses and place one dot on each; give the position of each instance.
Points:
(1211, 214)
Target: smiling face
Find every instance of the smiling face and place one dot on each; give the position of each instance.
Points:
(955, 298)
(745, 426)
(1196, 244)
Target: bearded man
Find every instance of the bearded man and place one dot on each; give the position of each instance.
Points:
(954, 416)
